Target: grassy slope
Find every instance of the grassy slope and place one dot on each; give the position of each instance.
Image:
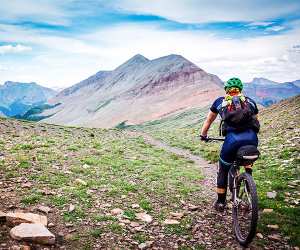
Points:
(117, 171)
(277, 169)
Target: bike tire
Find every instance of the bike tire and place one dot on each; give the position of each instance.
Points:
(246, 240)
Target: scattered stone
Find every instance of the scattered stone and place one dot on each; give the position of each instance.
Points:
(44, 209)
(17, 218)
(26, 185)
(142, 245)
(116, 211)
(134, 224)
(267, 210)
(81, 182)
(69, 225)
(259, 235)
(273, 227)
(71, 208)
(51, 225)
(272, 195)
(144, 217)
(32, 232)
(85, 166)
(171, 222)
(15, 247)
(275, 237)
(193, 207)
(2, 216)
(135, 206)
(177, 215)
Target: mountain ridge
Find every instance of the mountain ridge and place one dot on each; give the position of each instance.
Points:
(144, 89)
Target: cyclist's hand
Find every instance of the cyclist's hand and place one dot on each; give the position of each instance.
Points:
(204, 138)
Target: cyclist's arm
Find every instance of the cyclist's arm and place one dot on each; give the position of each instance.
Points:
(209, 120)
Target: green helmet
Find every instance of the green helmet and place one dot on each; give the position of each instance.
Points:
(233, 83)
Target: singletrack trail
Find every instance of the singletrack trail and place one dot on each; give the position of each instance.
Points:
(211, 229)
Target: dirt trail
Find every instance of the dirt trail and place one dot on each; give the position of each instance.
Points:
(209, 170)
(207, 221)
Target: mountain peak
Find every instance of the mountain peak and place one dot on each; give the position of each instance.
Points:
(263, 81)
(134, 61)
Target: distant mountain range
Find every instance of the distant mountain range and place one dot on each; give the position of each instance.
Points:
(266, 92)
(137, 91)
(17, 98)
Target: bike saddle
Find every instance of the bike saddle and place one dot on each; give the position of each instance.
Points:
(247, 154)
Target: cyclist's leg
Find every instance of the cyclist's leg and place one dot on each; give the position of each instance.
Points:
(225, 162)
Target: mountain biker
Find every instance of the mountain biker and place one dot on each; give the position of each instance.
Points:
(235, 135)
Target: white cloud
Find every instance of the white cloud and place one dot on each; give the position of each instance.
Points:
(195, 11)
(68, 60)
(275, 28)
(264, 24)
(7, 49)
(46, 11)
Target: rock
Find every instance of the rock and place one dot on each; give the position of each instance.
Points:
(26, 185)
(15, 247)
(144, 217)
(81, 182)
(85, 166)
(273, 226)
(2, 216)
(17, 218)
(69, 225)
(259, 235)
(267, 210)
(71, 208)
(171, 222)
(177, 215)
(116, 211)
(36, 233)
(142, 246)
(135, 206)
(275, 237)
(272, 195)
(193, 207)
(145, 245)
(51, 225)
(134, 224)
(44, 209)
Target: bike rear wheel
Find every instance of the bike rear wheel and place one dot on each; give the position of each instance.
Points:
(245, 209)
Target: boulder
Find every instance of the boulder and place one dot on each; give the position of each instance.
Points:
(36, 233)
(17, 218)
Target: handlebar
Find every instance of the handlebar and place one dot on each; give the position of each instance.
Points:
(215, 139)
(208, 139)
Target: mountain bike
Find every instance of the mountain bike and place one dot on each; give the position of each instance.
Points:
(244, 195)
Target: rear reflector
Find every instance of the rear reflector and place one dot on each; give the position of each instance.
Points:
(250, 157)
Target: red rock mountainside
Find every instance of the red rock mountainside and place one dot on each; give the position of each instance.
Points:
(137, 91)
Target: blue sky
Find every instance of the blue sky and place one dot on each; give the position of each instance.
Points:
(58, 43)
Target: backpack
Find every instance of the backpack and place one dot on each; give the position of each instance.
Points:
(238, 114)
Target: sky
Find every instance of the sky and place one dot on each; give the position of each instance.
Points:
(59, 43)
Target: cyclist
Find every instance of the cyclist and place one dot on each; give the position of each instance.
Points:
(236, 135)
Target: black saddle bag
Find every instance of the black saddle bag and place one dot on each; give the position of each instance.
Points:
(246, 155)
